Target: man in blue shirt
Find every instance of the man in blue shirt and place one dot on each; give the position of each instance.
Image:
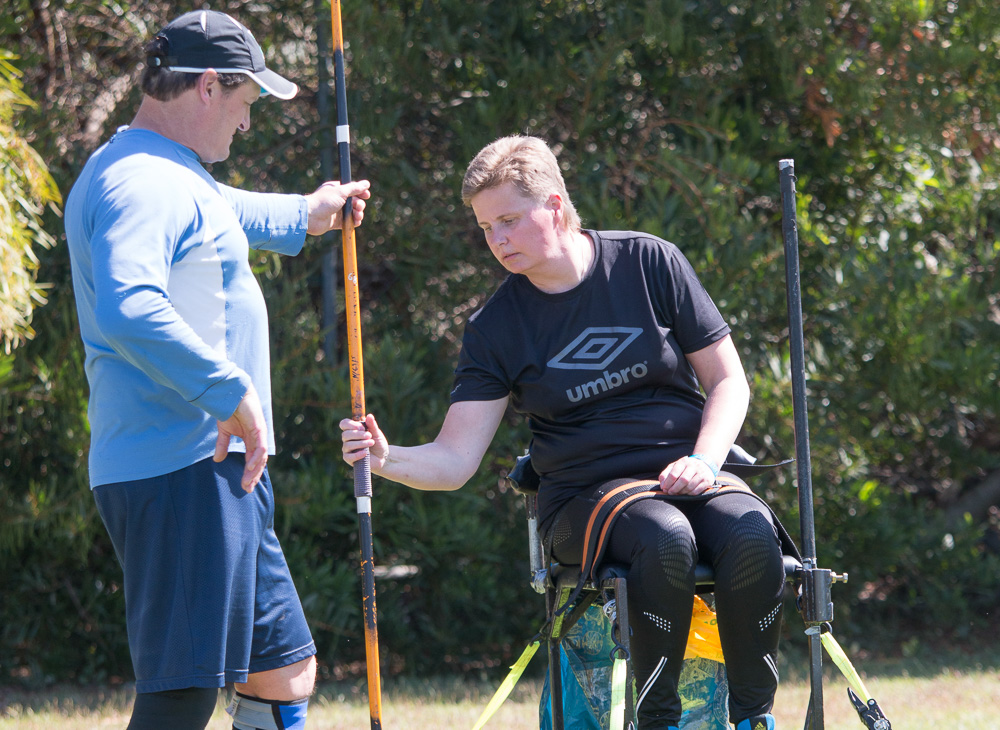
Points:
(176, 336)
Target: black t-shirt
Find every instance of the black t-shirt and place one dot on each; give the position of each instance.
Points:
(599, 370)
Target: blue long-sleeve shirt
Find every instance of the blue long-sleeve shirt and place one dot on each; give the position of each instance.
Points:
(173, 321)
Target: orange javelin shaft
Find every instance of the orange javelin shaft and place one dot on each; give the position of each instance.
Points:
(362, 468)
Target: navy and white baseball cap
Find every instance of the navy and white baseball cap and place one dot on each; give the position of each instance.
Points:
(204, 39)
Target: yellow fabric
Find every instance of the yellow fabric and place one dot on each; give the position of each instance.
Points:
(703, 638)
(617, 719)
(839, 658)
(508, 684)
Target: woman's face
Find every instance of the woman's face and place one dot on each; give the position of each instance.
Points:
(522, 234)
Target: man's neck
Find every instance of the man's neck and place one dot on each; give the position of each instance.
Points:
(170, 119)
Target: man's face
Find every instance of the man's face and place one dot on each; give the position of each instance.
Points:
(229, 112)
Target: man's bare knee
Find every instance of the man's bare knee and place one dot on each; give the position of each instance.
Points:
(293, 682)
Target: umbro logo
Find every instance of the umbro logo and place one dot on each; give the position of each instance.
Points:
(595, 348)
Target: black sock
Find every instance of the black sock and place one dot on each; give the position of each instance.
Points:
(178, 709)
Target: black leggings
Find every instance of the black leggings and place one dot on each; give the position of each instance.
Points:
(179, 709)
(661, 541)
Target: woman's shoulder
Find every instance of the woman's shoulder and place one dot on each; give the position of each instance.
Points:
(634, 240)
(646, 248)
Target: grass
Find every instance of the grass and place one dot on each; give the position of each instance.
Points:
(958, 692)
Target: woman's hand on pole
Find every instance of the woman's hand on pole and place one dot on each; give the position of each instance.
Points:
(361, 438)
(326, 205)
(444, 464)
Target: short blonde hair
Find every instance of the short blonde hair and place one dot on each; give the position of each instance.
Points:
(528, 163)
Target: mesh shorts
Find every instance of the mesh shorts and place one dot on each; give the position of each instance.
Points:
(208, 595)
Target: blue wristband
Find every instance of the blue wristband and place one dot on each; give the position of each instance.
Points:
(709, 462)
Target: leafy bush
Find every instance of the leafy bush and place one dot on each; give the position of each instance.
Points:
(669, 117)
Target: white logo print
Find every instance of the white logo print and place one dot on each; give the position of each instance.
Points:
(607, 381)
(595, 348)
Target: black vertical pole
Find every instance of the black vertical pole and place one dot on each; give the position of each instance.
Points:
(814, 601)
(796, 344)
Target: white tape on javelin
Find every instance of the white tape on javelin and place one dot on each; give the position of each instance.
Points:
(343, 133)
(364, 505)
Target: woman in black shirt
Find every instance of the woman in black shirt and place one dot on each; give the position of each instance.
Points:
(609, 345)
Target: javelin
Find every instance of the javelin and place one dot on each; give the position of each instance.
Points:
(362, 468)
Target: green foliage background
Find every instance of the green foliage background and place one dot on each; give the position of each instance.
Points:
(669, 117)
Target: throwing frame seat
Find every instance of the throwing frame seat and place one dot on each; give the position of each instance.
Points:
(607, 587)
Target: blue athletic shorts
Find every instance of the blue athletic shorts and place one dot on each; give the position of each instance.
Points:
(208, 595)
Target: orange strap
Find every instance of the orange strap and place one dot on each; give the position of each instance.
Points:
(587, 568)
(604, 518)
(609, 520)
(597, 511)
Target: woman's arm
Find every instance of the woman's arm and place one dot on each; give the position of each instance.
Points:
(446, 463)
(721, 375)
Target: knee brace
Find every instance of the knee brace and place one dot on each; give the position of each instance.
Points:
(253, 713)
(179, 709)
